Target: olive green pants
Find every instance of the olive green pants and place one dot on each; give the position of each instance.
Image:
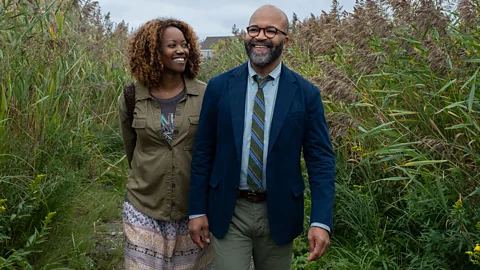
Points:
(249, 235)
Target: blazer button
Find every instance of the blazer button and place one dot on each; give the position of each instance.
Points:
(178, 113)
(175, 131)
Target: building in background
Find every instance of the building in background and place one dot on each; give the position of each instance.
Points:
(206, 47)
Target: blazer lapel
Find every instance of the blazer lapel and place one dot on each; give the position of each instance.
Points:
(286, 92)
(237, 94)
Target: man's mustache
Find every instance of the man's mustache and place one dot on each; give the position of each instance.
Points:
(260, 43)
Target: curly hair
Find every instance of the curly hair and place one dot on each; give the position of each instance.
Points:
(144, 50)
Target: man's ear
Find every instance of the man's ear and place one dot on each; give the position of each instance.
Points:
(285, 41)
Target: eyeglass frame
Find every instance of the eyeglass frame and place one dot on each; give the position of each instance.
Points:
(265, 33)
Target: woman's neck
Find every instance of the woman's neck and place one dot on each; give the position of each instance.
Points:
(171, 85)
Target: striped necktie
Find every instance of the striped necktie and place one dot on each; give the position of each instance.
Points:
(255, 161)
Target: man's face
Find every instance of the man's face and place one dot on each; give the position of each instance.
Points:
(266, 38)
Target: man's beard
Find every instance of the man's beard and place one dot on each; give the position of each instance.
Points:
(263, 59)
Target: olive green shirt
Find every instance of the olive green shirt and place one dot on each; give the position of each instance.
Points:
(159, 179)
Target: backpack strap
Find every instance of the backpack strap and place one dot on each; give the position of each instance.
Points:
(129, 94)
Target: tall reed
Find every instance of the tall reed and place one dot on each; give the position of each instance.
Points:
(61, 72)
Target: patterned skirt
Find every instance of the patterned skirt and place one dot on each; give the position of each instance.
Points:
(155, 244)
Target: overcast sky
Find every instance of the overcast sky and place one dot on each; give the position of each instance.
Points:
(209, 17)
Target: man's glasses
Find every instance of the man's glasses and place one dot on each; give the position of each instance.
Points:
(269, 31)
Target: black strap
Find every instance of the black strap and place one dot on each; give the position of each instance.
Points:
(129, 94)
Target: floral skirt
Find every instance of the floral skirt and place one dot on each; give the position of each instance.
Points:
(155, 244)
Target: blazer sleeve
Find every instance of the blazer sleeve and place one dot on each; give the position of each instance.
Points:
(320, 160)
(204, 152)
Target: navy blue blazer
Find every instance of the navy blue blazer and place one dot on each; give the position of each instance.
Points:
(298, 123)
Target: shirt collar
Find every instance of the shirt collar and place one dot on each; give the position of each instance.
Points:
(143, 92)
(275, 73)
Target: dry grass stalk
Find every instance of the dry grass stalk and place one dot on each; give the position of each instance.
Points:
(402, 11)
(322, 34)
(438, 145)
(366, 23)
(429, 14)
(437, 58)
(339, 125)
(468, 11)
(335, 84)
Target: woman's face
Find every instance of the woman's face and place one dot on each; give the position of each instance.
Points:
(174, 50)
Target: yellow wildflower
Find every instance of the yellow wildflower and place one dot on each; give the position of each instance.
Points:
(458, 205)
(359, 186)
(357, 148)
(475, 254)
(2, 208)
(40, 176)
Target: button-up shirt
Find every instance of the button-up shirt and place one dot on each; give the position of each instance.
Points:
(159, 179)
(270, 94)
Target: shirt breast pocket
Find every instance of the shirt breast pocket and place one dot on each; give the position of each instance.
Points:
(139, 123)
(143, 141)
(192, 132)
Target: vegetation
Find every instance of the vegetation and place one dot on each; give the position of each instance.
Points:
(399, 80)
(61, 167)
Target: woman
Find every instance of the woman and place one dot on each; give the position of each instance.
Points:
(164, 59)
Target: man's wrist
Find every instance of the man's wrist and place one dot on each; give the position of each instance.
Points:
(320, 225)
(195, 216)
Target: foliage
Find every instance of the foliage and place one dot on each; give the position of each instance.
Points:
(62, 70)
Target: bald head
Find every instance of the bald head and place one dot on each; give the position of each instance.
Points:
(270, 11)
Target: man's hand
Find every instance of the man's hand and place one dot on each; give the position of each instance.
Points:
(319, 241)
(199, 232)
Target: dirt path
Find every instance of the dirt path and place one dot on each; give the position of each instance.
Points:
(108, 252)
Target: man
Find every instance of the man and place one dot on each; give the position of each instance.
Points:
(246, 180)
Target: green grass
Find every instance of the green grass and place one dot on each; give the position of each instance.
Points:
(62, 70)
(84, 240)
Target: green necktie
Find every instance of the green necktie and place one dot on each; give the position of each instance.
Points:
(255, 160)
